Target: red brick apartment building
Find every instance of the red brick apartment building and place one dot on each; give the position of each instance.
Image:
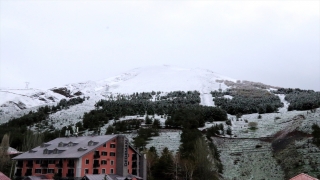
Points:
(78, 157)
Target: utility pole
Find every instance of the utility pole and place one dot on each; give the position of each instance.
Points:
(27, 85)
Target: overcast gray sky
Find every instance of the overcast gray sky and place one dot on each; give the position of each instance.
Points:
(52, 43)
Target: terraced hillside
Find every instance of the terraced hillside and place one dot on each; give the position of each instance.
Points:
(247, 159)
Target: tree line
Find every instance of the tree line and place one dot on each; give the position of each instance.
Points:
(300, 99)
(247, 101)
(18, 127)
(175, 105)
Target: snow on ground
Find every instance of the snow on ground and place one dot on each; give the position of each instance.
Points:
(268, 125)
(285, 103)
(29, 97)
(167, 138)
(228, 96)
(247, 161)
(206, 99)
(166, 79)
(153, 78)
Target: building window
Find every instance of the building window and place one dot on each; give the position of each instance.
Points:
(104, 145)
(45, 151)
(128, 162)
(55, 151)
(51, 161)
(95, 171)
(103, 162)
(111, 171)
(60, 144)
(37, 171)
(86, 171)
(112, 146)
(103, 153)
(112, 154)
(44, 171)
(50, 171)
(87, 161)
(37, 161)
(111, 162)
(90, 143)
(103, 171)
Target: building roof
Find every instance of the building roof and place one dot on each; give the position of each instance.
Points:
(41, 177)
(108, 177)
(303, 176)
(3, 177)
(96, 177)
(66, 147)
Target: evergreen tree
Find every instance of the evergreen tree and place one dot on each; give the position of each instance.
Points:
(163, 168)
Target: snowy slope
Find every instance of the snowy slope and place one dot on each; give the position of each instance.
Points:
(16, 102)
(166, 79)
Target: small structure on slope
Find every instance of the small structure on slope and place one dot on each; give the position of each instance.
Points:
(303, 176)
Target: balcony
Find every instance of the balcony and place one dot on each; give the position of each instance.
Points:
(95, 165)
(30, 164)
(96, 156)
(70, 165)
(134, 164)
(134, 157)
(70, 175)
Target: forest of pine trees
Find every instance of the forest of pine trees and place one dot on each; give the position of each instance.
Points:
(301, 99)
(18, 127)
(247, 101)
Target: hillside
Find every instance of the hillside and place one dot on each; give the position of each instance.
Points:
(282, 117)
(15, 102)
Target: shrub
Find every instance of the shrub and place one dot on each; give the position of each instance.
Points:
(253, 125)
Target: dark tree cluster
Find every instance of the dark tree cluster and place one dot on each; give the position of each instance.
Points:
(123, 126)
(217, 129)
(303, 100)
(67, 103)
(139, 104)
(247, 101)
(300, 99)
(195, 116)
(144, 134)
(316, 134)
(291, 90)
(17, 127)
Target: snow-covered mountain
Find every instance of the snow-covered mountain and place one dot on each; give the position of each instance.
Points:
(16, 102)
(155, 78)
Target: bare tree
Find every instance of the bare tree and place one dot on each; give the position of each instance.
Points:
(4, 156)
(31, 140)
(188, 167)
(176, 163)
